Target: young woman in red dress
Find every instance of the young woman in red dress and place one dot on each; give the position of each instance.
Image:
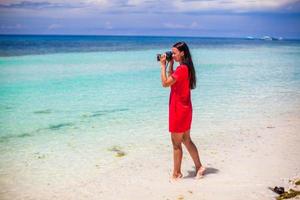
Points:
(181, 81)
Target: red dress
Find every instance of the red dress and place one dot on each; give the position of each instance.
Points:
(180, 105)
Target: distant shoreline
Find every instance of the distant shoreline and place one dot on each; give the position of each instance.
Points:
(19, 45)
(144, 36)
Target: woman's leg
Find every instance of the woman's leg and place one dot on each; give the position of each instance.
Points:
(177, 153)
(192, 149)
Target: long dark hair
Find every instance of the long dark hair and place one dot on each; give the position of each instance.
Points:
(187, 60)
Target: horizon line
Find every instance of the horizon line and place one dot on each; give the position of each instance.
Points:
(129, 35)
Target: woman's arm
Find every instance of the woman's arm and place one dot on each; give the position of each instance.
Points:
(170, 71)
(166, 81)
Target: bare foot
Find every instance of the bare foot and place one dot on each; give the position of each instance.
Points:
(176, 177)
(200, 172)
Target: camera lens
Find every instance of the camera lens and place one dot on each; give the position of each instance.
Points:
(169, 55)
(158, 57)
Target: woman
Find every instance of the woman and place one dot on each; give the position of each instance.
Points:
(182, 80)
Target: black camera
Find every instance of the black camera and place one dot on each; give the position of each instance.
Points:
(168, 56)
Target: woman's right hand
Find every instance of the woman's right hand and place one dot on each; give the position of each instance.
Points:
(171, 62)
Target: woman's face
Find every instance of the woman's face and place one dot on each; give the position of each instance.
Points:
(177, 55)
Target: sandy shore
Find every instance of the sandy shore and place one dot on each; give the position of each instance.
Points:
(243, 158)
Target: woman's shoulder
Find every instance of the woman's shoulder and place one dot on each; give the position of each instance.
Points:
(182, 71)
(182, 67)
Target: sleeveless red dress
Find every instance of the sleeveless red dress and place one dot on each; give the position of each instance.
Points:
(180, 105)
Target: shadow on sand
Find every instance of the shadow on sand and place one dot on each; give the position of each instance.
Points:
(209, 170)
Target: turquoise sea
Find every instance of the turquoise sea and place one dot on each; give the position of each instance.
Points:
(81, 95)
(61, 84)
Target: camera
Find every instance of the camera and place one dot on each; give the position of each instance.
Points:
(168, 56)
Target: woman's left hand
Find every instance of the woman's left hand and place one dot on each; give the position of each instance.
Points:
(163, 59)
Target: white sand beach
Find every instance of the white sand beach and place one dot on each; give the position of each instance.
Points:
(243, 158)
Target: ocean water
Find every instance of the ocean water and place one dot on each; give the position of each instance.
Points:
(81, 95)
(54, 84)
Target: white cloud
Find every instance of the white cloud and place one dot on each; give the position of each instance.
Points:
(232, 5)
(16, 26)
(86, 7)
(54, 26)
(98, 3)
(181, 5)
(135, 2)
(193, 25)
(108, 25)
(172, 25)
(54, 3)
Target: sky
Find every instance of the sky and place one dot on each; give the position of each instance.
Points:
(204, 18)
